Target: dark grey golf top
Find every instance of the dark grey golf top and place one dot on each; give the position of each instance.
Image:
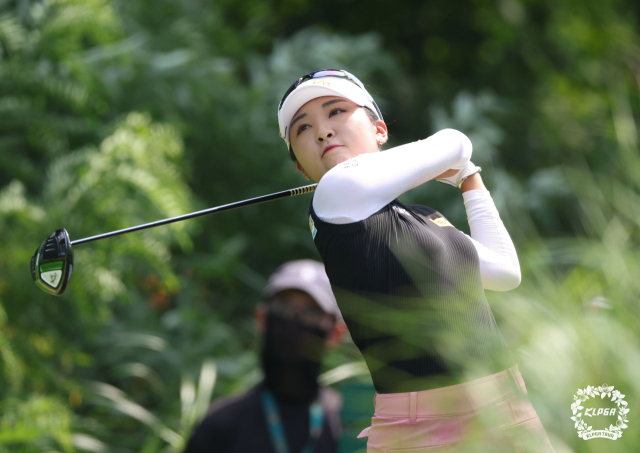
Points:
(409, 287)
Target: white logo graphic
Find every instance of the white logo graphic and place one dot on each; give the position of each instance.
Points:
(353, 162)
(51, 278)
(585, 430)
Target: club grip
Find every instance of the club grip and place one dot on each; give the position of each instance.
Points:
(303, 190)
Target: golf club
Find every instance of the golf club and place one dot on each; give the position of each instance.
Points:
(52, 263)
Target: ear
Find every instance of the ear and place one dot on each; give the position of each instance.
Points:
(335, 336)
(301, 170)
(260, 318)
(381, 132)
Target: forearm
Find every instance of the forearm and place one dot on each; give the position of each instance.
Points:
(499, 264)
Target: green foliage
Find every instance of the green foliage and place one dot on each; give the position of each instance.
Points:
(39, 421)
(50, 103)
(118, 113)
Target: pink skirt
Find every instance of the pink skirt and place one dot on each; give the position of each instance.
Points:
(491, 414)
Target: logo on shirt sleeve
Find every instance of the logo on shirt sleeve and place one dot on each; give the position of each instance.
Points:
(353, 162)
(312, 227)
(441, 222)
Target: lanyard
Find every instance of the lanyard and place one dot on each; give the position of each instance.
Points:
(276, 431)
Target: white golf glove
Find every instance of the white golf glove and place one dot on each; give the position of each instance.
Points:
(457, 179)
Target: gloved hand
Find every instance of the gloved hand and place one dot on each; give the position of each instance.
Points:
(457, 179)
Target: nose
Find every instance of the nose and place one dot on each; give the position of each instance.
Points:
(324, 135)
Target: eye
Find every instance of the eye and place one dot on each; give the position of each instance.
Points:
(302, 128)
(335, 111)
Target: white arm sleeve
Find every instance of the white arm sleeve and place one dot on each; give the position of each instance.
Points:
(359, 187)
(499, 264)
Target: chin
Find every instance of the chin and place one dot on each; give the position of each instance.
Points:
(338, 160)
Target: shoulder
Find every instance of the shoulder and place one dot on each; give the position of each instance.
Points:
(431, 214)
(220, 426)
(424, 210)
(226, 411)
(339, 225)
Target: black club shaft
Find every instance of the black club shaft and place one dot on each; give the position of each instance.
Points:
(226, 207)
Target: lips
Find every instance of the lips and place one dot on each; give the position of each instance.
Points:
(329, 148)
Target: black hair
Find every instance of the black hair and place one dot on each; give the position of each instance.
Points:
(372, 117)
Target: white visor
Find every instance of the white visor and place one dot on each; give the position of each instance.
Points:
(315, 88)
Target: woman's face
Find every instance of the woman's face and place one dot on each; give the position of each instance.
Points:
(329, 130)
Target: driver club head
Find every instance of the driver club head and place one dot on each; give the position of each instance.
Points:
(52, 264)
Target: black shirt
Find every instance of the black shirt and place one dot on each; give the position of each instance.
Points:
(238, 425)
(409, 287)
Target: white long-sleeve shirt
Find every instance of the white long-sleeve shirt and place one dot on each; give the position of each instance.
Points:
(359, 187)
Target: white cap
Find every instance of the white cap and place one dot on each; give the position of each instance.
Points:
(315, 88)
(308, 276)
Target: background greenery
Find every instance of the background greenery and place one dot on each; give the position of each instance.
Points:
(114, 113)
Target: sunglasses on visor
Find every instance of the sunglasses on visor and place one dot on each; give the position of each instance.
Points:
(329, 73)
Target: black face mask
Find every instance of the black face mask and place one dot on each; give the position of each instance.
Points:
(291, 359)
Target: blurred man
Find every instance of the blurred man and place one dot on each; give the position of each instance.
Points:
(287, 412)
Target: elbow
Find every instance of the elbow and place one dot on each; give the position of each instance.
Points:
(513, 281)
(506, 281)
(462, 147)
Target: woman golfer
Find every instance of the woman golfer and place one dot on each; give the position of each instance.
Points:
(409, 284)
